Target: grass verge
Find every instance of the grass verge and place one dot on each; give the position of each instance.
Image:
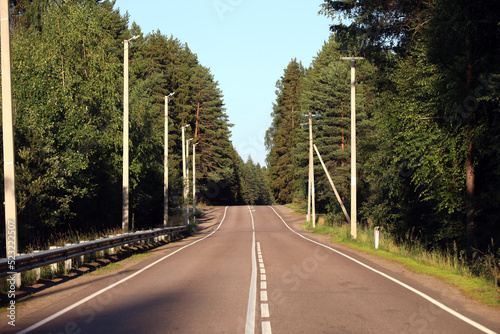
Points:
(113, 266)
(449, 266)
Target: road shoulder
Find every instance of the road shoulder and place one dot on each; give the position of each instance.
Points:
(47, 293)
(448, 292)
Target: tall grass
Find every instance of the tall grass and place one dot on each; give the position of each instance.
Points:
(60, 239)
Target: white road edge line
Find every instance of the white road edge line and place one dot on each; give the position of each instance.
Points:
(252, 294)
(421, 294)
(69, 308)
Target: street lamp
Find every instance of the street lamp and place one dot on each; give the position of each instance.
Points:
(187, 173)
(165, 159)
(183, 128)
(353, 144)
(125, 185)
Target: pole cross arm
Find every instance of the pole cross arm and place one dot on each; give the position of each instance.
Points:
(352, 58)
(311, 115)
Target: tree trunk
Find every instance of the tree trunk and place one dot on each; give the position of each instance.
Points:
(470, 180)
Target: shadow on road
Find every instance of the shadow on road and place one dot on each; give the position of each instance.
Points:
(210, 217)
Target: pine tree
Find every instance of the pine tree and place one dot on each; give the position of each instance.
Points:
(67, 77)
(436, 122)
(170, 66)
(326, 93)
(211, 129)
(281, 136)
(255, 184)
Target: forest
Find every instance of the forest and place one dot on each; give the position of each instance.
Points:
(67, 79)
(428, 120)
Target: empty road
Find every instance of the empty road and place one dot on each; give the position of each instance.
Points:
(249, 271)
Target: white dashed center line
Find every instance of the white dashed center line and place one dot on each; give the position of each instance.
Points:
(264, 306)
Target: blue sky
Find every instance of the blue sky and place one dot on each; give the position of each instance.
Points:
(246, 44)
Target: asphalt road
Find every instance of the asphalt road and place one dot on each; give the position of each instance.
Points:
(250, 272)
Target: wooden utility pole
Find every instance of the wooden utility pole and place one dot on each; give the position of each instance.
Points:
(470, 178)
(194, 182)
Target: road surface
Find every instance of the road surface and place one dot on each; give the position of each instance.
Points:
(251, 272)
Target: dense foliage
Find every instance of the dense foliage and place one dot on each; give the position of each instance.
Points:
(428, 118)
(67, 60)
(281, 137)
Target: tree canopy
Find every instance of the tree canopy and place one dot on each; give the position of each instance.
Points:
(427, 107)
(67, 65)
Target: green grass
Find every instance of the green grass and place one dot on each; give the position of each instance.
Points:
(138, 256)
(298, 207)
(112, 266)
(449, 266)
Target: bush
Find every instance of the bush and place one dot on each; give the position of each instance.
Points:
(334, 215)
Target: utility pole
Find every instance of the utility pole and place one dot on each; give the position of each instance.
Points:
(186, 195)
(311, 201)
(187, 166)
(125, 184)
(353, 145)
(11, 230)
(184, 178)
(165, 159)
(311, 173)
(308, 217)
(194, 181)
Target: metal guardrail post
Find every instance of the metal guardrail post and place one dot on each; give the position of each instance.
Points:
(37, 271)
(55, 255)
(68, 264)
(53, 266)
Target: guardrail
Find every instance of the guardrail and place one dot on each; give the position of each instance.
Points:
(44, 258)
